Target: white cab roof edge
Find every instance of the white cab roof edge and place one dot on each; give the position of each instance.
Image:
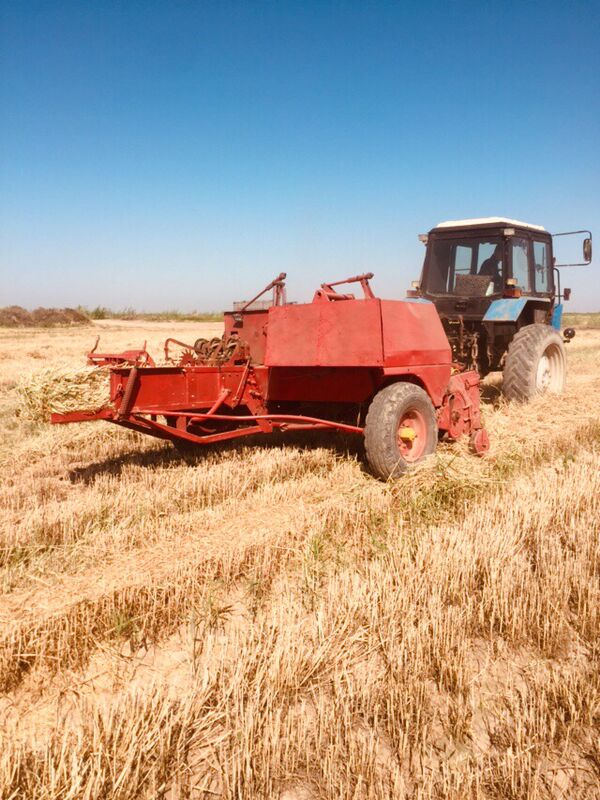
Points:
(462, 223)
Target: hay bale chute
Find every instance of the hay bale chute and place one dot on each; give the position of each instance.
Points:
(61, 390)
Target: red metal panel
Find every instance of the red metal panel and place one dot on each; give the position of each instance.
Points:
(292, 336)
(251, 326)
(344, 333)
(433, 378)
(323, 384)
(350, 334)
(413, 335)
(176, 387)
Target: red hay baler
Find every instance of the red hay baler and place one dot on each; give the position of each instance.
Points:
(372, 367)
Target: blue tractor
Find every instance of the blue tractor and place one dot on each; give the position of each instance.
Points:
(496, 286)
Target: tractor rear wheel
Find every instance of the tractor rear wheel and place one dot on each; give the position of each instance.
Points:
(535, 364)
(400, 430)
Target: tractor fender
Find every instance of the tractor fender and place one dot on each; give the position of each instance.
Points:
(557, 313)
(508, 309)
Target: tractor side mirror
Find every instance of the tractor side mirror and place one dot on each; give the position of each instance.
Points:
(567, 294)
(587, 250)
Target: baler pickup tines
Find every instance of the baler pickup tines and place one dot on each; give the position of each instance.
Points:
(138, 357)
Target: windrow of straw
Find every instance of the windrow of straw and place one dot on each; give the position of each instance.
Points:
(63, 389)
(520, 435)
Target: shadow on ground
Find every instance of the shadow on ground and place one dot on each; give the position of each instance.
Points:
(339, 443)
(342, 444)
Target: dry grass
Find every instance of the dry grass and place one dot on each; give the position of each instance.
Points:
(586, 321)
(62, 389)
(269, 621)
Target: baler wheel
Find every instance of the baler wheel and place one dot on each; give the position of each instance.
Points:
(535, 364)
(400, 430)
(181, 445)
(185, 448)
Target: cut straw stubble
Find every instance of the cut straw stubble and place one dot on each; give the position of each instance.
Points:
(61, 390)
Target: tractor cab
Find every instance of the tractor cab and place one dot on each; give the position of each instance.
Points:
(488, 278)
(471, 263)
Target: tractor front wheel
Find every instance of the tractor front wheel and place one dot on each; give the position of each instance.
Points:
(400, 430)
(535, 363)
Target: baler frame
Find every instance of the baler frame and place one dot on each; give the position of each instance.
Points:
(144, 420)
(247, 383)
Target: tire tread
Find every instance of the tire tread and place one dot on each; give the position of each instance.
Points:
(522, 358)
(379, 446)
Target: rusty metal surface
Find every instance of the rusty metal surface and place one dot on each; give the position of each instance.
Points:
(334, 353)
(433, 378)
(251, 327)
(460, 412)
(413, 335)
(136, 357)
(278, 287)
(229, 348)
(346, 333)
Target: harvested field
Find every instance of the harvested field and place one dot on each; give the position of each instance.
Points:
(589, 321)
(267, 620)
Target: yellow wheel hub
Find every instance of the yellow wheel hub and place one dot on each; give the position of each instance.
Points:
(407, 434)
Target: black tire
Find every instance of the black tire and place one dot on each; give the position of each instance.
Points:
(391, 406)
(535, 364)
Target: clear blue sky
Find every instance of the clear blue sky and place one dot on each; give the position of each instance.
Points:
(180, 154)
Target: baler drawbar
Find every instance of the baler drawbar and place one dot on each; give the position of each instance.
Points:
(367, 366)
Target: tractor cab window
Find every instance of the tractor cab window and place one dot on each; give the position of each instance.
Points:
(463, 256)
(486, 251)
(467, 266)
(520, 262)
(541, 265)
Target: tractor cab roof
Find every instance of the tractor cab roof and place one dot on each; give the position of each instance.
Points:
(484, 222)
